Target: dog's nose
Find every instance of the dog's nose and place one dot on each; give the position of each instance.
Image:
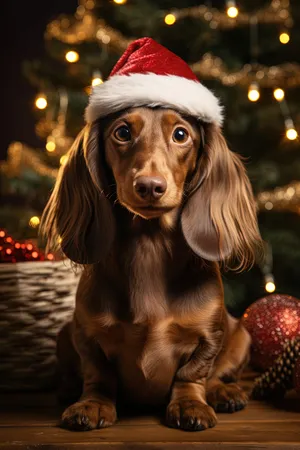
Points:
(147, 187)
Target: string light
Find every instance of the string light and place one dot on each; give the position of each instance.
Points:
(276, 12)
(50, 256)
(34, 221)
(269, 283)
(283, 198)
(232, 10)
(290, 133)
(20, 156)
(90, 4)
(253, 92)
(41, 102)
(50, 145)
(89, 28)
(270, 287)
(284, 37)
(120, 2)
(170, 19)
(97, 79)
(34, 254)
(213, 67)
(278, 94)
(72, 56)
(63, 160)
(269, 206)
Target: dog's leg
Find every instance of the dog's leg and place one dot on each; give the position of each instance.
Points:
(223, 392)
(96, 406)
(69, 373)
(188, 408)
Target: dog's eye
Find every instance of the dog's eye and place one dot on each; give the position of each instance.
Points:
(123, 134)
(180, 135)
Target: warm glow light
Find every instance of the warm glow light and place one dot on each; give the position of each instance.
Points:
(50, 256)
(232, 12)
(17, 245)
(63, 159)
(96, 81)
(59, 240)
(284, 38)
(34, 221)
(170, 19)
(291, 134)
(8, 251)
(41, 102)
(29, 247)
(270, 286)
(34, 254)
(253, 92)
(50, 146)
(2, 233)
(8, 239)
(269, 206)
(72, 56)
(97, 78)
(278, 94)
(120, 2)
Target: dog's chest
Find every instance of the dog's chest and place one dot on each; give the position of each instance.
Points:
(147, 356)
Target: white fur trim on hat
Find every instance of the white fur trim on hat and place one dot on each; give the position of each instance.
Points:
(169, 91)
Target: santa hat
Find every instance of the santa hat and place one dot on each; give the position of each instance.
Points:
(148, 74)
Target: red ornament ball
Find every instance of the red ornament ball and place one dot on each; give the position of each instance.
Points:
(297, 375)
(271, 321)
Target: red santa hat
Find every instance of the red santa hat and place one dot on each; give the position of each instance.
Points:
(148, 74)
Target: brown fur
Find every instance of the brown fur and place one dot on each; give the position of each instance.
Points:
(150, 326)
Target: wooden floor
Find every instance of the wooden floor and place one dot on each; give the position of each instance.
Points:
(30, 421)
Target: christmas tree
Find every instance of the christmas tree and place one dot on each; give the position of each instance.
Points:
(246, 52)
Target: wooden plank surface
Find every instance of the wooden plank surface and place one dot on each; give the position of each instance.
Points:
(30, 421)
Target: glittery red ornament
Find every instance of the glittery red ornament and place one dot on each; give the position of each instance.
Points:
(297, 376)
(271, 321)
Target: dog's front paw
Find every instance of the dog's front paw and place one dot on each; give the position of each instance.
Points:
(190, 415)
(227, 397)
(89, 414)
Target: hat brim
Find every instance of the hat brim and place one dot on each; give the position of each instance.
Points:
(124, 91)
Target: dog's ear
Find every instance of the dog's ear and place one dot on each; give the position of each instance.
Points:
(219, 218)
(78, 211)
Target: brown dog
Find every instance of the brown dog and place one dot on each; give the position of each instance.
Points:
(149, 200)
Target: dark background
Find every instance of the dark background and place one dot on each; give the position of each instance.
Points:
(23, 24)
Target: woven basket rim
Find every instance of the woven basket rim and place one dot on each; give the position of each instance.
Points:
(32, 265)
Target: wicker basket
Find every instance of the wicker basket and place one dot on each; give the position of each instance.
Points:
(36, 299)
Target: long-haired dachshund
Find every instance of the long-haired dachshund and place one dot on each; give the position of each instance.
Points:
(149, 201)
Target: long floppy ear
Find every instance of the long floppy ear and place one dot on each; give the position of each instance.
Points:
(78, 211)
(219, 218)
